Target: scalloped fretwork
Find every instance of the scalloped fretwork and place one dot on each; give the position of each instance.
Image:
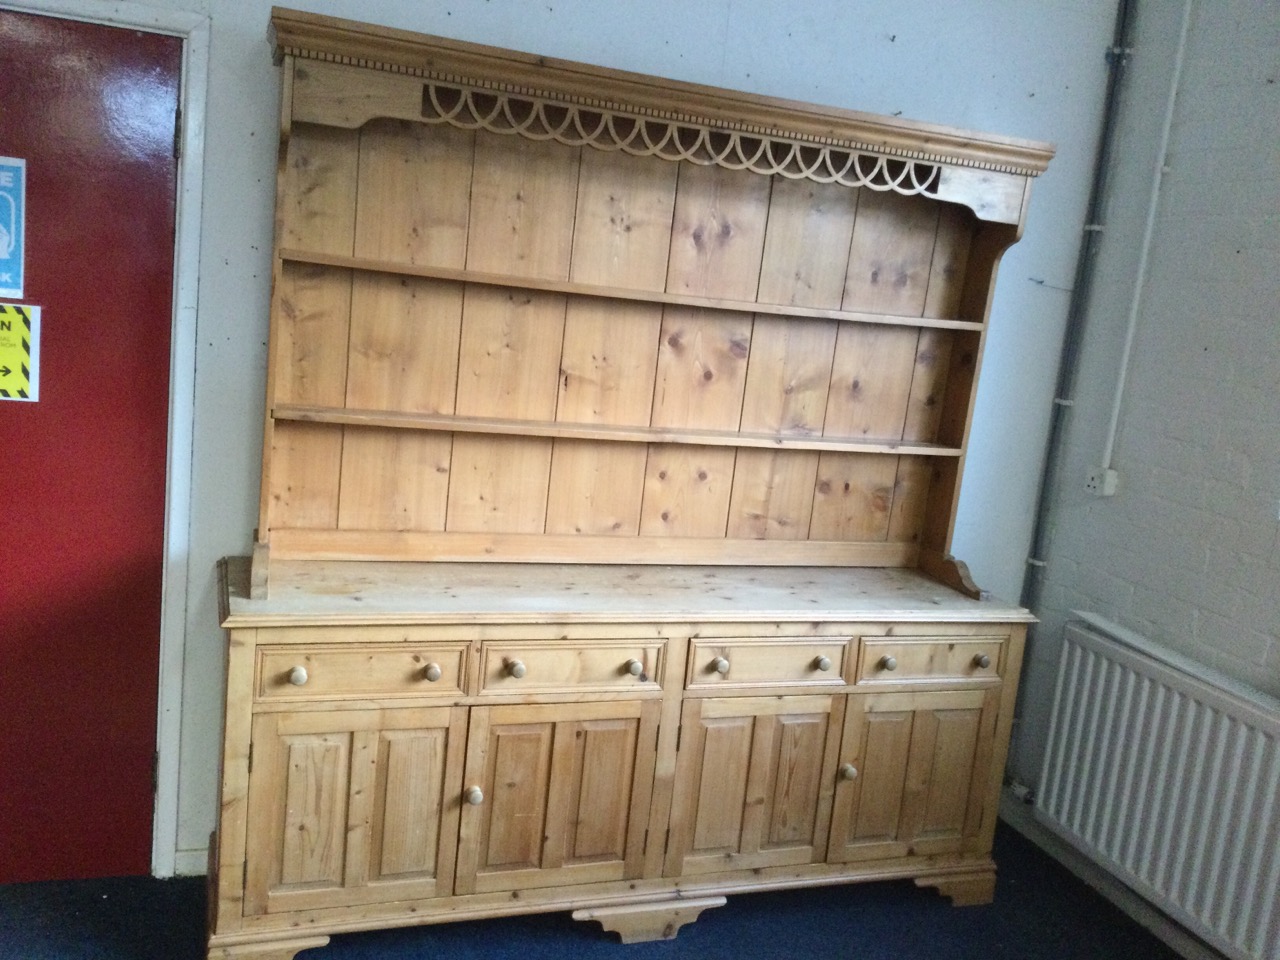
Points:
(537, 118)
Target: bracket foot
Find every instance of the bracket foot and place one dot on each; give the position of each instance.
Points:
(965, 890)
(640, 922)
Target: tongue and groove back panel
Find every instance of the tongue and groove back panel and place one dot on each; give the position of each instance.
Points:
(488, 344)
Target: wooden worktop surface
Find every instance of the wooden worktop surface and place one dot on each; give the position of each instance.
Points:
(319, 592)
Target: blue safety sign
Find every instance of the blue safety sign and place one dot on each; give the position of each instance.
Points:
(13, 189)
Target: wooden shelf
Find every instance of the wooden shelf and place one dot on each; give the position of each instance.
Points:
(369, 265)
(593, 431)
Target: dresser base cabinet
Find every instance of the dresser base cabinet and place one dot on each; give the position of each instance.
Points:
(416, 750)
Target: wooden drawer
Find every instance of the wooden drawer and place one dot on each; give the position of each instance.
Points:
(363, 670)
(571, 666)
(722, 663)
(894, 660)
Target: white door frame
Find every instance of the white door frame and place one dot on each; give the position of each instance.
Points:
(193, 29)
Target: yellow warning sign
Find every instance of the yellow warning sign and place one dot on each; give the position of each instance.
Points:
(19, 352)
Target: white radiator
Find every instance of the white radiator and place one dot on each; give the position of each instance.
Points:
(1169, 781)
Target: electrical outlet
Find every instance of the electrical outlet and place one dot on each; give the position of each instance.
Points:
(1102, 482)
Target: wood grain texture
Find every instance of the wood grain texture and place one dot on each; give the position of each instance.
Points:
(702, 369)
(772, 496)
(686, 491)
(607, 363)
(574, 549)
(509, 354)
(596, 488)
(806, 247)
(405, 217)
(306, 464)
(506, 426)
(869, 393)
(854, 497)
(910, 498)
(890, 255)
(318, 203)
(312, 307)
(717, 239)
(602, 292)
(622, 228)
(523, 197)
(313, 593)
(788, 376)
(403, 344)
(752, 775)
(498, 484)
(950, 262)
(928, 386)
(394, 480)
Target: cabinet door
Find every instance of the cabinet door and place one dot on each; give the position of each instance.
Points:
(352, 806)
(556, 794)
(754, 781)
(913, 773)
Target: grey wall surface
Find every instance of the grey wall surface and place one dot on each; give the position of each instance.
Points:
(1188, 552)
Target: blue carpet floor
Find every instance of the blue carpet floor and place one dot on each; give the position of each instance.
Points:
(1041, 912)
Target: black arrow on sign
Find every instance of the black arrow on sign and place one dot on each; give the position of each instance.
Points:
(5, 371)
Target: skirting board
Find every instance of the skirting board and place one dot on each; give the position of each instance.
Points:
(191, 863)
(1020, 817)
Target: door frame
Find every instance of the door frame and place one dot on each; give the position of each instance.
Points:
(193, 29)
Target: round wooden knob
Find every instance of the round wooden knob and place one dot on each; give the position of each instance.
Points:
(823, 663)
(848, 771)
(433, 672)
(516, 668)
(298, 676)
(720, 665)
(635, 667)
(888, 663)
(982, 661)
(473, 796)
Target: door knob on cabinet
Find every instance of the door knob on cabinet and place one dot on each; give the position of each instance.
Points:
(634, 667)
(888, 663)
(982, 661)
(720, 665)
(822, 663)
(433, 672)
(473, 796)
(848, 771)
(515, 668)
(298, 676)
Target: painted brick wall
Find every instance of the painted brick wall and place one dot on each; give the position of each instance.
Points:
(1188, 552)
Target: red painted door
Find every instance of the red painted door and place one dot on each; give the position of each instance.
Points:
(92, 110)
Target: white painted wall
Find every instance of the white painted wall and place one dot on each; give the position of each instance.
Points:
(1006, 66)
(1188, 552)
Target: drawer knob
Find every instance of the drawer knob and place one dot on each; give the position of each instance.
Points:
(515, 668)
(473, 796)
(888, 663)
(720, 665)
(982, 661)
(823, 663)
(848, 771)
(635, 667)
(433, 672)
(298, 676)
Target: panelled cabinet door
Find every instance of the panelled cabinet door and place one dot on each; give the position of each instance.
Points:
(753, 783)
(556, 794)
(913, 773)
(351, 807)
